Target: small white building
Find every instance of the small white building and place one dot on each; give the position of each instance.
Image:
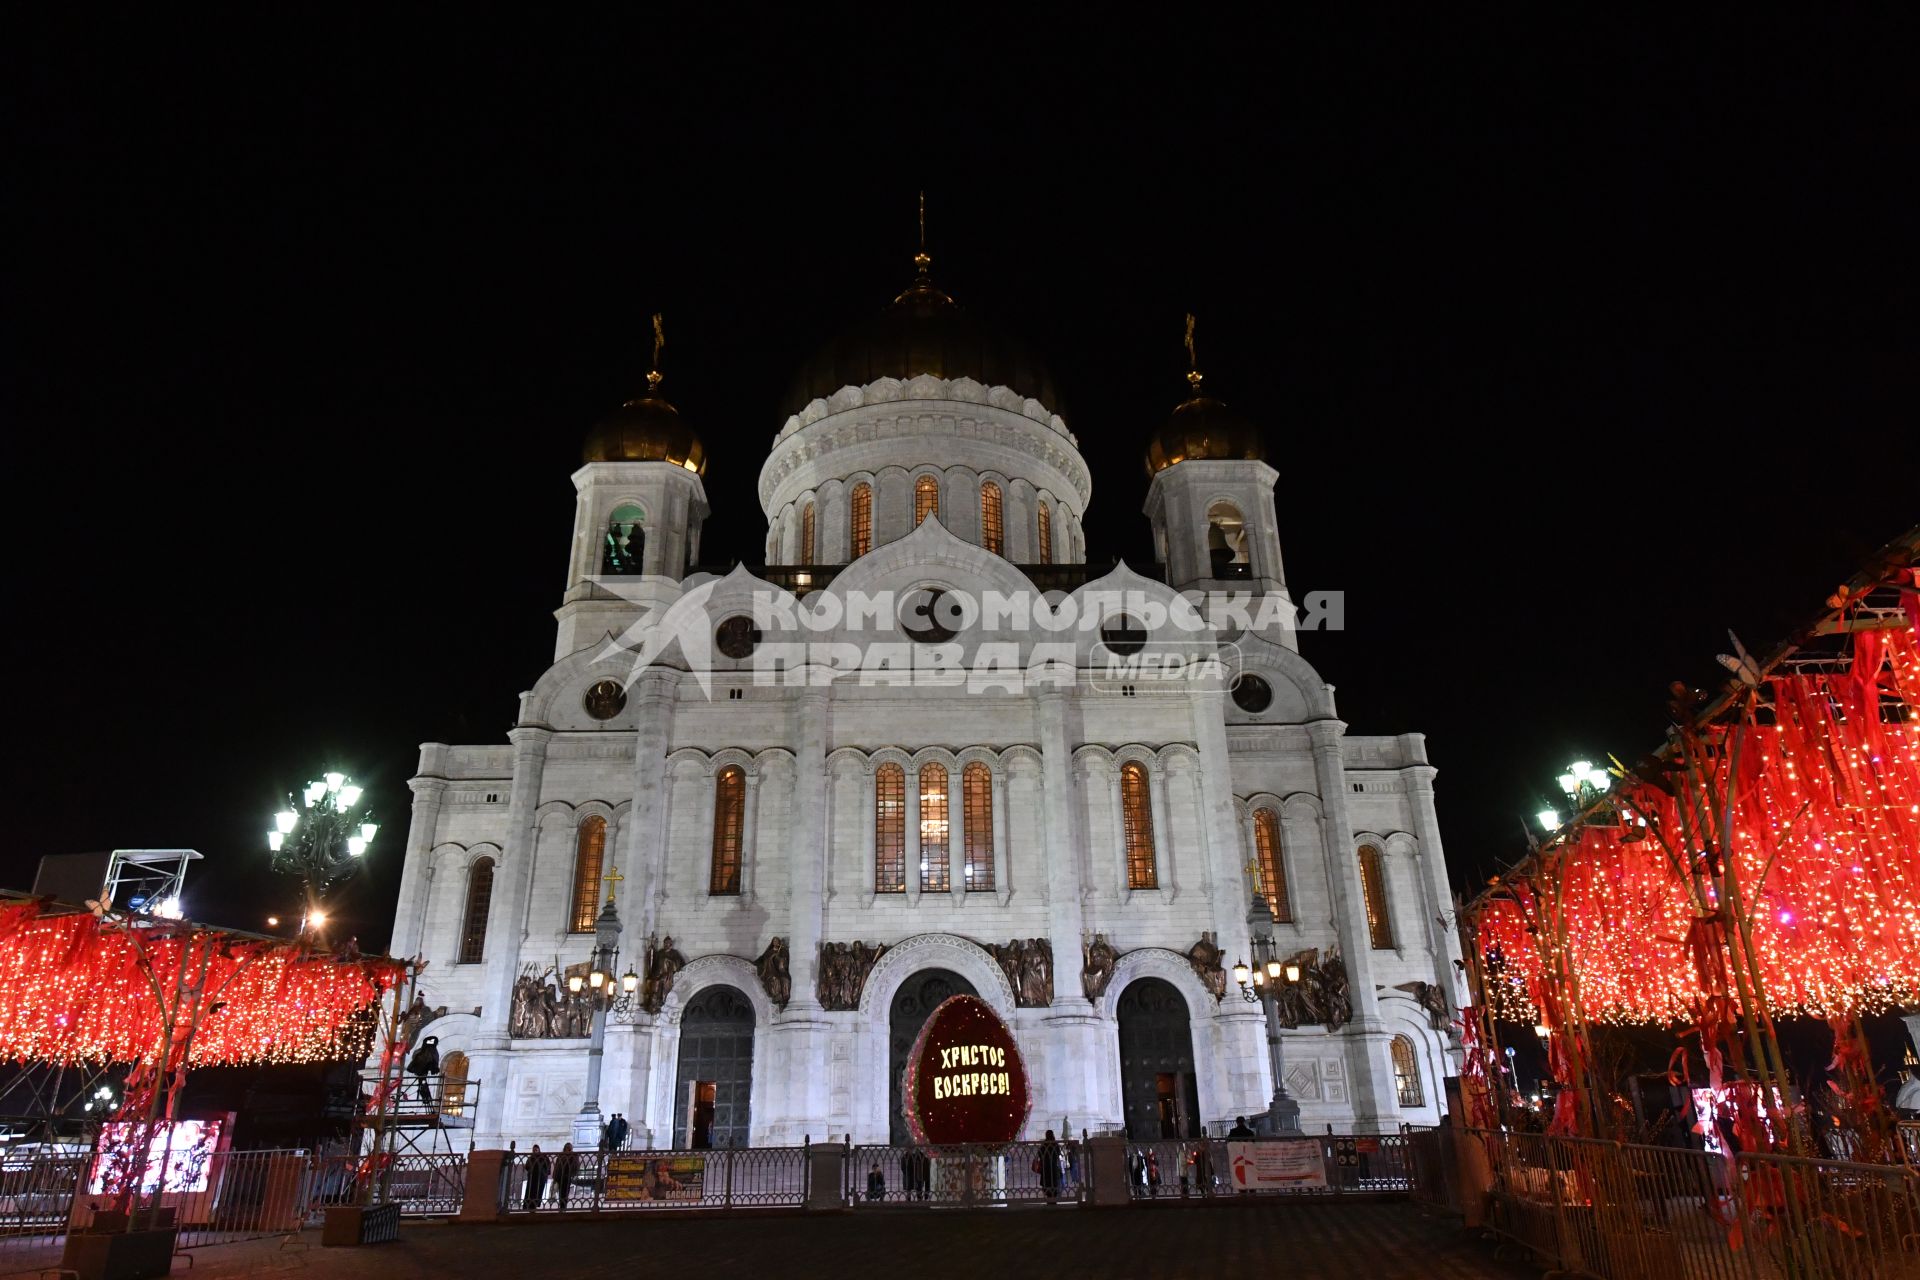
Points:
(1069, 838)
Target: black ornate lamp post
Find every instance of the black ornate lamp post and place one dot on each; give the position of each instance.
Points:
(1261, 981)
(320, 838)
(606, 993)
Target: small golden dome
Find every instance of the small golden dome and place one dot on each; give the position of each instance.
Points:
(647, 429)
(1204, 428)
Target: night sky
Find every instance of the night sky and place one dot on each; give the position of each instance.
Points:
(1576, 341)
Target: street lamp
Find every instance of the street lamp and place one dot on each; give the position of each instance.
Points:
(1261, 981)
(1583, 783)
(599, 987)
(321, 837)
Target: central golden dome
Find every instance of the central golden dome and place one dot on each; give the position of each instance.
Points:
(923, 331)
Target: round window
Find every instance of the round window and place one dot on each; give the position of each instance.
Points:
(737, 637)
(1252, 694)
(605, 700)
(931, 616)
(1123, 636)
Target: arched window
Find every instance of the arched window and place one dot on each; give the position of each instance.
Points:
(976, 802)
(993, 534)
(860, 540)
(926, 499)
(1046, 534)
(934, 877)
(473, 925)
(729, 820)
(1406, 1073)
(806, 534)
(890, 829)
(1373, 885)
(1227, 541)
(1273, 867)
(624, 543)
(589, 858)
(1136, 809)
(453, 1084)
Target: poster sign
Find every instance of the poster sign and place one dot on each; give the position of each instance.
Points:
(632, 1179)
(1276, 1166)
(965, 1081)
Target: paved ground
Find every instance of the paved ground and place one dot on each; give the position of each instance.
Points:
(1362, 1241)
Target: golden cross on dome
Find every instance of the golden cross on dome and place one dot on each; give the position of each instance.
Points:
(659, 341)
(613, 876)
(1193, 358)
(921, 259)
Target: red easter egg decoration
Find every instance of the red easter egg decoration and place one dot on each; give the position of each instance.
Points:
(965, 1080)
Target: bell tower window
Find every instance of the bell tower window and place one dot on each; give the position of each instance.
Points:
(624, 545)
(926, 499)
(1227, 541)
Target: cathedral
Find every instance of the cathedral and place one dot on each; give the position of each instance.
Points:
(927, 748)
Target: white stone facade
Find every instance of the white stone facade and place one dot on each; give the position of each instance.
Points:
(810, 753)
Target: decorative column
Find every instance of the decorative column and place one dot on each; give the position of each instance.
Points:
(1078, 1040)
(749, 837)
(1375, 1104)
(1442, 942)
(506, 913)
(416, 877)
(1238, 1028)
(1002, 890)
(800, 1037)
(1166, 872)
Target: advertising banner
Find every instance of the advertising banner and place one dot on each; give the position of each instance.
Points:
(1276, 1166)
(634, 1178)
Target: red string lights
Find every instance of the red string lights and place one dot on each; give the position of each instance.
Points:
(79, 988)
(1820, 778)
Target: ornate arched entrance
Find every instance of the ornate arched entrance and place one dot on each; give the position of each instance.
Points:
(916, 999)
(714, 1089)
(1159, 1092)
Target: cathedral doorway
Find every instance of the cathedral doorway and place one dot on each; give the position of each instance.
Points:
(714, 1085)
(913, 1004)
(1159, 1092)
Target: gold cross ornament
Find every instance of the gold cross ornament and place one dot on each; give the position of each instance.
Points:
(613, 878)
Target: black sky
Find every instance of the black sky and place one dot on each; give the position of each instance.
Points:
(1577, 340)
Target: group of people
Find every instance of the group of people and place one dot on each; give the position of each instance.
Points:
(1056, 1164)
(1195, 1161)
(563, 1169)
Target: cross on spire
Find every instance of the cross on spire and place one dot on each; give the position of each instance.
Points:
(659, 341)
(613, 876)
(1193, 358)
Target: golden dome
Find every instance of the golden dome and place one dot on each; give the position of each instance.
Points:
(1203, 428)
(646, 429)
(922, 331)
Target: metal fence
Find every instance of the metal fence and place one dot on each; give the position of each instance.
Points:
(37, 1187)
(1626, 1212)
(966, 1175)
(640, 1181)
(426, 1184)
(1335, 1165)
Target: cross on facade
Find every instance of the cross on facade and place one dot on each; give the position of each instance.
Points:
(613, 879)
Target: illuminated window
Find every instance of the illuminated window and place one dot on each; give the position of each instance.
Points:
(1373, 884)
(806, 534)
(890, 829)
(453, 1084)
(1406, 1073)
(933, 830)
(926, 499)
(729, 819)
(992, 530)
(976, 799)
(624, 544)
(1046, 534)
(1273, 867)
(862, 528)
(589, 853)
(1136, 807)
(473, 929)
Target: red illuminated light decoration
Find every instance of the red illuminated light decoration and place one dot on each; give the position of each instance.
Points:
(1766, 863)
(965, 1081)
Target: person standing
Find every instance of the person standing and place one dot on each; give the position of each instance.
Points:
(1241, 1129)
(1049, 1167)
(566, 1167)
(539, 1164)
